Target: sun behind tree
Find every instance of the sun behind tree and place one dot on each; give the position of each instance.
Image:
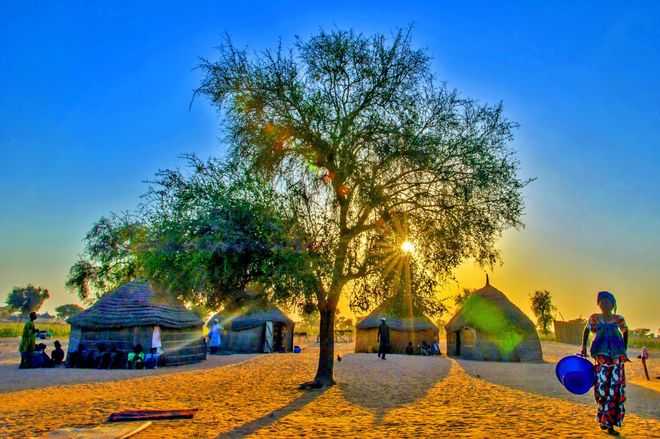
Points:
(363, 143)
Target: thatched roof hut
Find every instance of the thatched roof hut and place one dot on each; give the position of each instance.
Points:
(406, 321)
(258, 327)
(132, 314)
(490, 327)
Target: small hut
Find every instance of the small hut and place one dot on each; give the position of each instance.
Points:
(132, 315)
(490, 327)
(256, 328)
(407, 324)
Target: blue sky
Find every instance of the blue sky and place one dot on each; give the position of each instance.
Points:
(95, 98)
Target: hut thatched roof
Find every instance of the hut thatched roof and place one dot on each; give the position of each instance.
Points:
(133, 304)
(399, 315)
(251, 317)
(489, 310)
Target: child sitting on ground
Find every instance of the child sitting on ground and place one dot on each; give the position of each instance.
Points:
(135, 358)
(151, 360)
(58, 354)
(435, 349)
(40, 358)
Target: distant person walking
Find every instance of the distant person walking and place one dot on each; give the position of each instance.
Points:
(28, 339)
(609, 350)
(383, 338)
(215, 336)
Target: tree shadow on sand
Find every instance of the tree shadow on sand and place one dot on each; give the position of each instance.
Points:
(540, 379)
(253, 426)
(381, 386)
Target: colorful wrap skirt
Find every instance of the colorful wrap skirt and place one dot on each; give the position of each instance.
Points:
(610, 390)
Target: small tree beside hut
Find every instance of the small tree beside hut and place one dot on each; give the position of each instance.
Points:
(542, 308)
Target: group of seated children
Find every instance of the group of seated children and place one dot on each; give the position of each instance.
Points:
(425, 348)
(100, 358)
(40, 358)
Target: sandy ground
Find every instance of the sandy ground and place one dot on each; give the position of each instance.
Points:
(12, 379)
(404, 396)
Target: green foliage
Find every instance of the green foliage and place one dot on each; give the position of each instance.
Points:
(27, 299)
(65, 311)
(640, 332)
(368, 151)
(202, 234)
(10, 330)
(6, 311)
(638, 342)
(460, 298)
(215, 230)
(343, 322)
(110, 257)
(542, 308)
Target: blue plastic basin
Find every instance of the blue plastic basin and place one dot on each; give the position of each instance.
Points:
(576, 373)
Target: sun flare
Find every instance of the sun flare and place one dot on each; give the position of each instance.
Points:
(407, 247)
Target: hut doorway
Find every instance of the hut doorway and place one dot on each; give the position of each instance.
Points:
(458, 343)
(278, 337)
(268, 337)
(274, 337)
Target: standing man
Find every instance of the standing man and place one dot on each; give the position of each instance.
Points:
(27, 341)
(383, 338)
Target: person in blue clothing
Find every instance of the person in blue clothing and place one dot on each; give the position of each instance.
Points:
(609, 351)
(215, 334)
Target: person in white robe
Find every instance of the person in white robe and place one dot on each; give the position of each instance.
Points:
(215, 333)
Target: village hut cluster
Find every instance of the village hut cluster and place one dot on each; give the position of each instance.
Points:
(487, 327)
(134, 315)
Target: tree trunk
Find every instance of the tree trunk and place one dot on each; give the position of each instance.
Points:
(324, 373)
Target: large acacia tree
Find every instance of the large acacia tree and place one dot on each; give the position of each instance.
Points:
(369, 150)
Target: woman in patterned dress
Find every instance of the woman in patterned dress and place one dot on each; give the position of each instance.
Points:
(609, 352)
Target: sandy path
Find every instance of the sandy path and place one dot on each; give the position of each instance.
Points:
(400, 397)
(13, 379)
(641, 394)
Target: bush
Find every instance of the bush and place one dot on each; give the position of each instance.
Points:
(8, 330)
(650, 343)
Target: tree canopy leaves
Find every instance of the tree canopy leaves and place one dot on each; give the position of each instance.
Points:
(369, 150)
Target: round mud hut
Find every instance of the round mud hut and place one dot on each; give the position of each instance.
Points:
(256, 328)
(407, 324)
(131, 315)
(490, 327)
